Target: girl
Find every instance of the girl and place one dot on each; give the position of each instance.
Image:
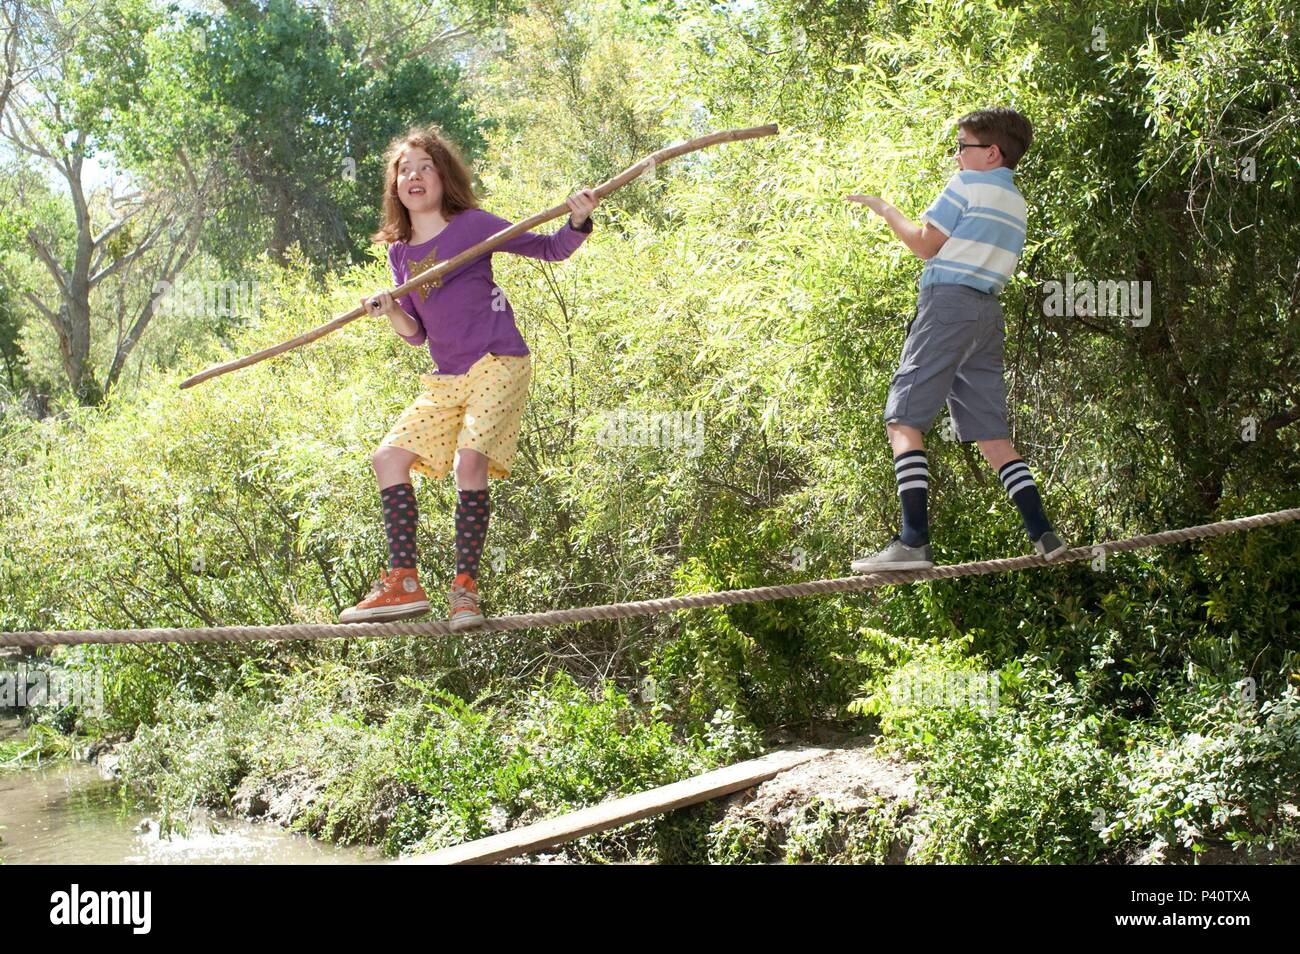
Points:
(468, 417)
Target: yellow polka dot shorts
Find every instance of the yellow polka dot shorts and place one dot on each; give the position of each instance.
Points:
(481, 409)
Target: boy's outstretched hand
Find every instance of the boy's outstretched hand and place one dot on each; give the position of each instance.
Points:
(924, 240)
(873, 202)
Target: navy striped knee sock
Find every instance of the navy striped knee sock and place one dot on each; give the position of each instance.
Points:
(1022, 490)
(912, 472)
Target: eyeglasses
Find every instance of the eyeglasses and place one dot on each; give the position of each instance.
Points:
(967, 145)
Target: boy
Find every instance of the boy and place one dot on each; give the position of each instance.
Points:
(970, 238)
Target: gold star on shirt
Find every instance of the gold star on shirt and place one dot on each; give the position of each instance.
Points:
(428, 261)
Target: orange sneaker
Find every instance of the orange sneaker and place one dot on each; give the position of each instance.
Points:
(463, 600)
(396, 595)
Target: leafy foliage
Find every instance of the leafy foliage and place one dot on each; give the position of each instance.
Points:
(740, 287)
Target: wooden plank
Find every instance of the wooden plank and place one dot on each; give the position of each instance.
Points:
(620, 811)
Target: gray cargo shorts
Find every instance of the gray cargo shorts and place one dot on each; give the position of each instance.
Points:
(953, 353)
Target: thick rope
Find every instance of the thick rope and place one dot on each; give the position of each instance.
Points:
(586, 614)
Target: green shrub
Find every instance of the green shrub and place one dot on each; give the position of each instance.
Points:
(1020, 780)
(1226, 772)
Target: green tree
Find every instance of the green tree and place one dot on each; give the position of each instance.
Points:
(295, 111)
(97, 61)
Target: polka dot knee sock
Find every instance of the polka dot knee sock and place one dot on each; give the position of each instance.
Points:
(471, 528)
(400, 516)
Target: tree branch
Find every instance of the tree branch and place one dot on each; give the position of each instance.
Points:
(1281, 420)
(47, 257)
(116, 265)
(40, 306)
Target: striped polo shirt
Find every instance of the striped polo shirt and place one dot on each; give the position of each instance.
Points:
(983, 215)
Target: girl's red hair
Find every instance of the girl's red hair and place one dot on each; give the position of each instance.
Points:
(457, 189)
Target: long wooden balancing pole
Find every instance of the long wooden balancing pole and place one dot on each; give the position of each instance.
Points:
(434, 275)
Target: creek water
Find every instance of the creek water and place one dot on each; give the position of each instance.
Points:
(63, 812)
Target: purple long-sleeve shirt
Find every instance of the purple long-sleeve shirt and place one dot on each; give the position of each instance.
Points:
(469, 316)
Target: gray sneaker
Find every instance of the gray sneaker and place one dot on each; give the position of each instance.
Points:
(896, 555)
(1049, 546)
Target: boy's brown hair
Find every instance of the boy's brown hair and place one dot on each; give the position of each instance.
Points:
(1005, 128)
(457, 187)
